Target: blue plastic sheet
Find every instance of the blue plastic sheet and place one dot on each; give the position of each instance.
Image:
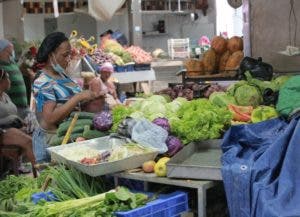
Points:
(261, 169)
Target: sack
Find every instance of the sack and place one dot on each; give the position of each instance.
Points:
(257, 68)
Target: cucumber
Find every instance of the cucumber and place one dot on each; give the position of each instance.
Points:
(83, 115)
(76, 129)
(92, 134)
(56, 140)
(63, 127)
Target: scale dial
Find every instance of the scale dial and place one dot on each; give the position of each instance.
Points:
(235, 3)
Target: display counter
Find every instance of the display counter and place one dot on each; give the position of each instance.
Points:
(135, 76)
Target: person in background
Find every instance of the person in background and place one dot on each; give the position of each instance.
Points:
(11, 125)
(17, 92)
(104, 36)
(8, 110)
(105, 71)
(56, 94)
(16, 137)
(28, 68)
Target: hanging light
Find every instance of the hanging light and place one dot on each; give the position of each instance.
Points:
(194, 16)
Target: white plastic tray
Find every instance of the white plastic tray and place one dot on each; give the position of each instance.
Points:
(103, 143)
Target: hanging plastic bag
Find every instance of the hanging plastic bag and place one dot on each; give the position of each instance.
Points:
(104, 10)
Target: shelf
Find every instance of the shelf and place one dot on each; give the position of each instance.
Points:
(166, 12)
(154, 34)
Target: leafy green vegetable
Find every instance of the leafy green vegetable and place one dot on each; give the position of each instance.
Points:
(280, 81)
(263, 113)
(119, 113)
(158, 98)
(248, 95)
(10, 187)
(221, 99)
(199, 120)
(74, 184)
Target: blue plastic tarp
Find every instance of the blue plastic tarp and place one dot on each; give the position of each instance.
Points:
(261, 169)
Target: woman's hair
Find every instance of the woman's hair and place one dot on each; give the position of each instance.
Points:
(49, 44)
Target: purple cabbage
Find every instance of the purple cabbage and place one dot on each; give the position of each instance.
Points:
(174, 145)
(102, 121)
(162, 122)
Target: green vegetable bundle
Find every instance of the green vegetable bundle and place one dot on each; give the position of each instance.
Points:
(119, 113)
(200, 120)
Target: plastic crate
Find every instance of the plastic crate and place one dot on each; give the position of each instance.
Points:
(125, 68)
(142, 67)
(166, 205)
(179, 48)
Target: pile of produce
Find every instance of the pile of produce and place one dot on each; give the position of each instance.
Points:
(70, 193)
(139, 55)
(99, 57)
(112, 46)
(191, 90)
(156, 109)
(85, 128)
(206, 120)
(224, 55)
(159, 167)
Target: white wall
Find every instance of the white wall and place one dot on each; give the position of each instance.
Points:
(179, 26)
(34, 27)
(84, 24)
(12, 23)
(1, 21)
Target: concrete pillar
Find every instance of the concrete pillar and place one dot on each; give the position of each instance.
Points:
(1, 21)
(12, 23)
(135, 30)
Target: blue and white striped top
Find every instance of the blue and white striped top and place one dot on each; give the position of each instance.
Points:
(46, 88)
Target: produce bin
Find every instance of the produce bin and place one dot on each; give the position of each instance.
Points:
(197, 160)
(125, 68)
(166, 205)
(142, 67)
(101, 144)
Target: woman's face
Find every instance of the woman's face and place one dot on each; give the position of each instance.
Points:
(105, 75)
(62, 54)
(4, 81)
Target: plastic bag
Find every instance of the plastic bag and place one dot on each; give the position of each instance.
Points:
(150, 135)
(257, 68)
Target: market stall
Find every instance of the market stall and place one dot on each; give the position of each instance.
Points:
(172, 137)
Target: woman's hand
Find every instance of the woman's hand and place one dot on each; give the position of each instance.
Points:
(88, 95)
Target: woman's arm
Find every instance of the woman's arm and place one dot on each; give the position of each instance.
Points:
(53, 114)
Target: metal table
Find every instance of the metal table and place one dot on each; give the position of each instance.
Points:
(201, 185)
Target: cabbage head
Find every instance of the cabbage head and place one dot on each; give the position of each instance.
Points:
(137, 115)
(150, 107)
(221, 99)
(157, 98)
(247, 95)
